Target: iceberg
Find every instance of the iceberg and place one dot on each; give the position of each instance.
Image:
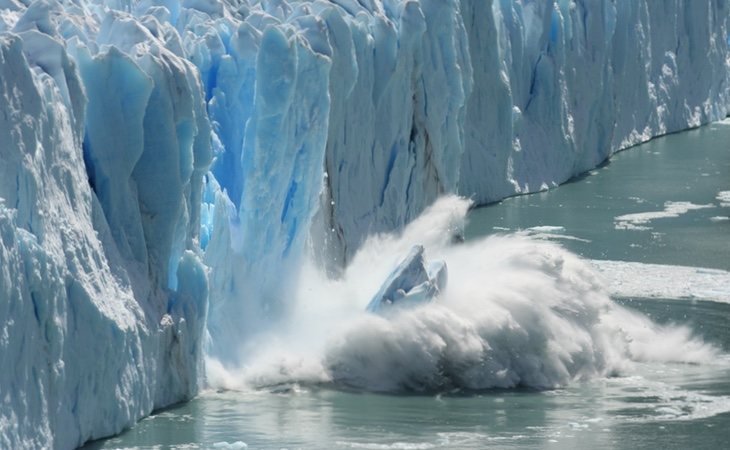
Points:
(167, 166)
(412, 282)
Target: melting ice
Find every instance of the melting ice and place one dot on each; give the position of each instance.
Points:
(516, 311)
(165, 166)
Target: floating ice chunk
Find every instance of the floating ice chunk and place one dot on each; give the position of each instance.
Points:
(724, 198)
(547, 229)
(412, 282)
(637, 221)
(234, 445)
(438, 274)
(639, 280)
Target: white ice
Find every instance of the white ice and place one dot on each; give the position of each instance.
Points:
(641, 280)
(156, 154)
(724, 198)
(640, 221)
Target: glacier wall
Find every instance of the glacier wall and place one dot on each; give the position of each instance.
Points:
(583, 80)
(104, 141)
(157, 153)
(420, 98)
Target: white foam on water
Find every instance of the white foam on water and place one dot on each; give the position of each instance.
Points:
(517, 311)
(238, 445)
(546, 229)
(724, 198)
(549, 233)
(719, 218)
(631, 226)
(392, 446)
(545, 232)
(632, 279)
(659, 401)
(639, 221)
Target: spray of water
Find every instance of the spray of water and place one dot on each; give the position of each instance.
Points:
(516, 312)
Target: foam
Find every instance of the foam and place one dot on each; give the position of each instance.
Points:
(724, 198)
(544, 232)
(666, 402)
(517, 312)
(550, 233)
(237, 445)
(638, 221)
(391, 446)
(639, 280)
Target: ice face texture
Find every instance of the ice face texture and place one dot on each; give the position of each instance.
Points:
(417, 99)
(103, 295)
(141, 141)
(411, 282)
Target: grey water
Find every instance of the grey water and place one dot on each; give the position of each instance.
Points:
(656, 405)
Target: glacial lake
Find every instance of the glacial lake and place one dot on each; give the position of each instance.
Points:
(663, 207)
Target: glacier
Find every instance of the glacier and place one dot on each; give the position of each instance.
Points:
(167, 166)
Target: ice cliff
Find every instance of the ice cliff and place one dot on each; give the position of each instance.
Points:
(389, 104)
(158, 153)
(103, 295)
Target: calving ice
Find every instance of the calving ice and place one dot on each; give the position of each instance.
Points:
(170, 171)
(516, 312)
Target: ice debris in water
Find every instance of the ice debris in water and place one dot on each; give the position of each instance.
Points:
(412, 282)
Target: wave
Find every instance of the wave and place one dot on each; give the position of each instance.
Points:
(517, 312)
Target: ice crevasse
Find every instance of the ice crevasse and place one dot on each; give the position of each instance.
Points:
(166, 165)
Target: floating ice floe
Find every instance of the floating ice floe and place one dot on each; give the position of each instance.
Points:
(639, 221)
(724, 198)
(632, 279)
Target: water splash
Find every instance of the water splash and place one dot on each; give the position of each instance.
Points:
(517, 311)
